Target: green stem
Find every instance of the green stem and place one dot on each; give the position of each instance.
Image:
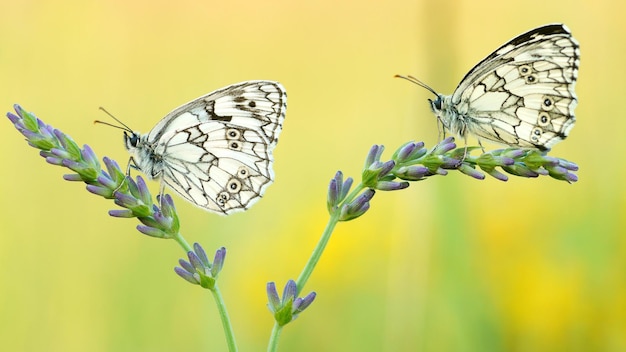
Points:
(314, 259)
(321, 245)
(273, 345)
(182, 242)
(219, 301)
(228, 329)
(317, 252)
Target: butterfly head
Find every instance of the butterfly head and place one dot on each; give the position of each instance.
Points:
(436, 105)
(131, 141)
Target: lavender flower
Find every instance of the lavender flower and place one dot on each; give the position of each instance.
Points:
(287, 309)
(413, 162)
(59, 149)
(198, 270)
(357, 207)
(337, 190)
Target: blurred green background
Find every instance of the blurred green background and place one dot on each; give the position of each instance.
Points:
(450, 264)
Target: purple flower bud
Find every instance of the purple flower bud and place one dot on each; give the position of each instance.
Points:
(413, 172)
(55, 161)
(568, 165)
(497, 174)
(333, 195)
(218, 261)
(90, 158)
(101, 191)
(302, 303)
(272, 296)
(186, 265)
(14, 118)
(151, 231)
(60, 153)
(72, 177)
(391, 185)
(357, 207)
(405, 151)
(470, 171)
(290, 291)
(373, 155)
(186, 275)
(196, 262)
(105, 180)
(198, 267)
(444, 146)
(386, 168)
(519, 169)
(121, 213)
(513, 153)
(287, 309)
(113, 169)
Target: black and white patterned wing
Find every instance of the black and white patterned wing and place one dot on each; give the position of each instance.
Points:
(523, 93)
(216, 151)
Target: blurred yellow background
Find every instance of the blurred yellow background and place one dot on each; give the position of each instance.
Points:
(450, 264)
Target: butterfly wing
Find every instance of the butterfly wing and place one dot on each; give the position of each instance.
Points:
(523, 93)
(216, 151)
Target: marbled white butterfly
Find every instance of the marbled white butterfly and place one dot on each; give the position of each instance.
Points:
(215, 151)
(521, 95)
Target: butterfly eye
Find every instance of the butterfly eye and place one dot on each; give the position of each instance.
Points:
(525, 70)
(435, 104)
(531, 79)
(234, 146)
(232, 133)
(547, 104)
(544, 119)
(132, 140)
(222, 198)
(243, 172)
(535, 134)
(233, 186)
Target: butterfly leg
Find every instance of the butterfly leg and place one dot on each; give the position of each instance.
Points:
(481, 145)
(442, 129)
(465, 150)
(131, 164)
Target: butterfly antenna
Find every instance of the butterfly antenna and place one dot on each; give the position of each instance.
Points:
(123, 127)
(418, 82)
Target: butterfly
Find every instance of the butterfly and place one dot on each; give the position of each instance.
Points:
(215, 151)
(521, 95)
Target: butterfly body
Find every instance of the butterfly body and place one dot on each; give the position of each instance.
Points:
(216, 151)
(521, 95)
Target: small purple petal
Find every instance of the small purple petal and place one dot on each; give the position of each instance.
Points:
(498, 175)
(406, 151)
(55, 161)
(290, 292)
(14, 118)
(121, 213)
(272, 295)
(186, 275)
(391, 185)
(386, 168)
(195, 261)
(97, 190)
(305, 302)
(72, 177)
(218, 261)
(197, 248)
(151, 231)
(333, 194)
(186, 265)
(470, 171)
(345, 188)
